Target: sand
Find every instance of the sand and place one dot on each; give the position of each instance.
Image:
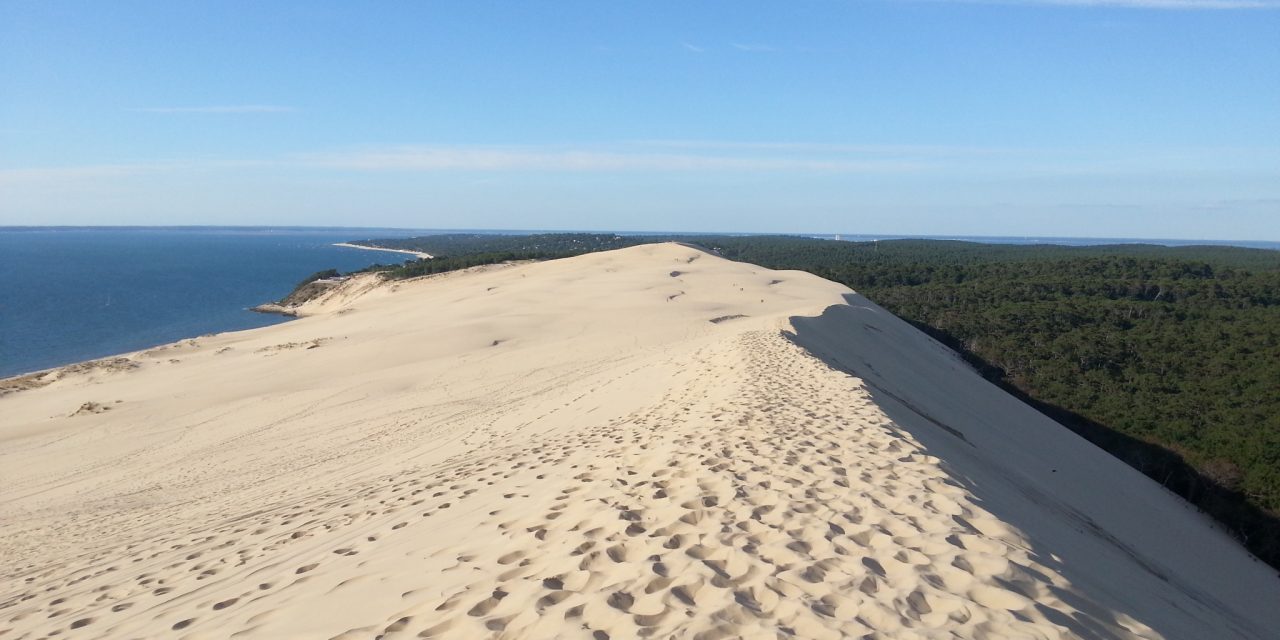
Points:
(574, 449)
(417, 254)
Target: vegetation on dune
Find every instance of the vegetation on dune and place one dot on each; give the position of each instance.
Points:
(444, 264)
(1167, 357)
(320, 275)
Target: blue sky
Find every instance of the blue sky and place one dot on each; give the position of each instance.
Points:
(1134, 118)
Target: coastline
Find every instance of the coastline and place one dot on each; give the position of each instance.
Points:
(12, 381)
(136, 358)
(418, 254)
(8, 380)
(133, 290)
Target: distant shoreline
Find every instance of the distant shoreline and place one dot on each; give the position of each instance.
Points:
(388, 232)
(420, 255)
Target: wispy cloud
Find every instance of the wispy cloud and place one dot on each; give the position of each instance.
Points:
(1139, 4)
(235, 108)
(472, 158)
(118, 170)
(693, 156)
(825, 148)
(659, 157)
(73, 173)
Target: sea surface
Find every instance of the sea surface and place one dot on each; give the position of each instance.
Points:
(73, 294)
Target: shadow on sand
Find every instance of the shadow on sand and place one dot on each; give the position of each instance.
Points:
(1130, 549)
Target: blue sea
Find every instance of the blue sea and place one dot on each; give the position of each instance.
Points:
(70, 294)
(73, 294)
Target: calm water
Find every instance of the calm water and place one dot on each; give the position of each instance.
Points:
(68, 295)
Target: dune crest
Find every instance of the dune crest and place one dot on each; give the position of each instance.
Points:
(651, 442)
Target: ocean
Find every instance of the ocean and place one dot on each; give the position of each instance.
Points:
(73, 294)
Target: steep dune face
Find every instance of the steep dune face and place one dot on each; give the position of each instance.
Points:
(1120, 539)
(651, 442)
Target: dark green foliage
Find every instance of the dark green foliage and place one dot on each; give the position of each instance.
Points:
(443, 264)
(1168, 358)
(320, 275)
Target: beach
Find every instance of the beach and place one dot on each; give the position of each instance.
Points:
(649, 442)
(417, 254)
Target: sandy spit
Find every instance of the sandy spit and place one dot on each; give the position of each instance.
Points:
(416, 254)
(574, 449)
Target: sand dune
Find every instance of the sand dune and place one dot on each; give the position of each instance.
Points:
(651, 442)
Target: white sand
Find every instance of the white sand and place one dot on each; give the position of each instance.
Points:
(416, 254)
(573, 449)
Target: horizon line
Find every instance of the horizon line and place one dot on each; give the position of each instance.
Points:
(818, 235)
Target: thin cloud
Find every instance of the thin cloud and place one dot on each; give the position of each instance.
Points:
(618, 158)
(237, 108)
(61, 174)
(674, 156)
(433, 158)
(73, 173)
(918, 150)
(693, 47)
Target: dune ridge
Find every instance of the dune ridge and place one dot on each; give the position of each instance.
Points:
(650, 442)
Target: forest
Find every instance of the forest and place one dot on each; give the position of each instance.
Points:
(1166, 357)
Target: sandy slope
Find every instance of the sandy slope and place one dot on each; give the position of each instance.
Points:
(575, 449)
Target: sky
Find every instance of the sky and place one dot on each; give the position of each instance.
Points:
(1081, 118)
